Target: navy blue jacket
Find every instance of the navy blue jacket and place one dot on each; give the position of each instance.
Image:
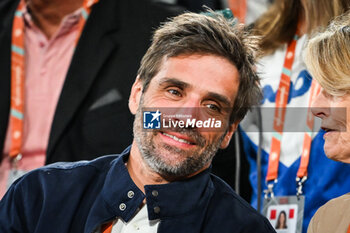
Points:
(79, 197)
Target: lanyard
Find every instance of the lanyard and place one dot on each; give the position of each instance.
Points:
(17, 74)
(107, 228)
(278, 123)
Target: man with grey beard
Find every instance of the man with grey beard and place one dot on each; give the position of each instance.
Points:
(196, 64)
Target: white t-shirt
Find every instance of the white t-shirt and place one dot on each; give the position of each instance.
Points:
(139, 223)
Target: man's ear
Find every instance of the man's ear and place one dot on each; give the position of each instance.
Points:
(135, 95)
(231, 129)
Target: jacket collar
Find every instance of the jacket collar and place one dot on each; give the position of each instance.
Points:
(163, 201)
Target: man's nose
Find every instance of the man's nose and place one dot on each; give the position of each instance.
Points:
(192, 101)
(189, 108)
(320, 106)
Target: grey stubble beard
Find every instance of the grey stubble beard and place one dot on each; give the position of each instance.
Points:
(151, 154)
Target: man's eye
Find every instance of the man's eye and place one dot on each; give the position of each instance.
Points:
(213, 107)
(174, 92)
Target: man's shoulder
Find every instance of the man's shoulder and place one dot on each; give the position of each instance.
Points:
(66, 188)
(98, 164)
(65, 175)
(226, 195)
(239, 214)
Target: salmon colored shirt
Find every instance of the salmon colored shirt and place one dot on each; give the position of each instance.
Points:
(46, 65)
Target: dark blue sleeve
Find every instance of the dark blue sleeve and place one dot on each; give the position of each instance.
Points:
(11, 211)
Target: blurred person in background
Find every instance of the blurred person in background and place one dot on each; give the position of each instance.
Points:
(327, 57)
(287, 85)
(67, 67)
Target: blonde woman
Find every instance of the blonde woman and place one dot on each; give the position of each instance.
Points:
(284, 29)
(328, 60)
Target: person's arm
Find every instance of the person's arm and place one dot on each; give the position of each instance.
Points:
(12, 211)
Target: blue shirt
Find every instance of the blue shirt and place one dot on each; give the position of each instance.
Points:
(81, 196)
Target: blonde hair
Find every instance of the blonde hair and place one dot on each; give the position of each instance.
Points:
(279, 24)
(327, 56)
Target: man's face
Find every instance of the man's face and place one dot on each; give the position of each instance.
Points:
(205, 82)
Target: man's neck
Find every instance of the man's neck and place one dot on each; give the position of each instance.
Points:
(48, 14)
(139, 172)
(143, 175)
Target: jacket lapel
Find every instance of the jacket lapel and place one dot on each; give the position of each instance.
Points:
(95, 45)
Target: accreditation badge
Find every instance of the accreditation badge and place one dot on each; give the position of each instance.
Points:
(285, 213)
